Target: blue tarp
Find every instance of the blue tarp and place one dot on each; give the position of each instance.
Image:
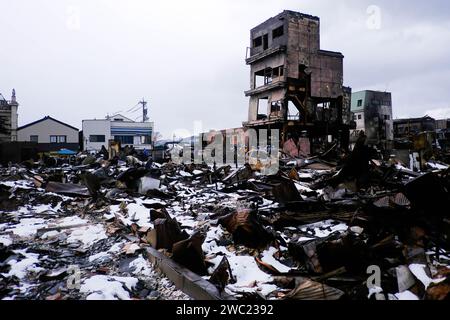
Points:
(66, 152)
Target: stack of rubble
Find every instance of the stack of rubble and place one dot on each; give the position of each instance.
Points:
(321, 228)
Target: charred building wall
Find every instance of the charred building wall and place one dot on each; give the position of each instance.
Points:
(294, 85)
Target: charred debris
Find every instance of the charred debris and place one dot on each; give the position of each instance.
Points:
(311, 231)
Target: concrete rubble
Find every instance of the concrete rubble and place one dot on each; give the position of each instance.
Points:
(313, 231)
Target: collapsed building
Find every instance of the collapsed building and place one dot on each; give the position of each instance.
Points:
(295, 86)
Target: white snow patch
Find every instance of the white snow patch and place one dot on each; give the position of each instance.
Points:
(50, 234)
(136, 213)
(69, 221)
(406, 295)
(438, 166)
(185, 174)
(268, 257)
(374, 290)
(87, 235)
(324, 228)
(20, 184)
(141, 267)
(249, 277)
(6, 240)
(20, 268)
(103, 287)
(28, 227)
(418, 270)
(98, 256)
(46, 208)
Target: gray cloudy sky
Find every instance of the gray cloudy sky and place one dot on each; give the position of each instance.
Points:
(82, 59)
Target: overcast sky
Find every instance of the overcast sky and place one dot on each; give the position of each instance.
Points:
(83, 59)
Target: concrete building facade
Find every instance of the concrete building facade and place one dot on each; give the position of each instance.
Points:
(50, 134)
(8, 118)
(98, 133)
(413, 126)
(372, 112)
(294, 84)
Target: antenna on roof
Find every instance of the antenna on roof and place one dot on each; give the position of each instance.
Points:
(144, 110)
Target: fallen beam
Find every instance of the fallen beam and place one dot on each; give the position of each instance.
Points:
(185, 280)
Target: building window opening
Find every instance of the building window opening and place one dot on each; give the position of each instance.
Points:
(257, 42)
(96, 138)
(275, 107)
(58, 139)
(360, 103)
(278, 72)
(263, 77)
(278, 32)
(124, 139)
(359, 117)
(324, 105)
(262, 108)
(34, 138)
(146, 139)
(293, 113)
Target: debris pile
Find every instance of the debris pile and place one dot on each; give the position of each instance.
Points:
(323, 228)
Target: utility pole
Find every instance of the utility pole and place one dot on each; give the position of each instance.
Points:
(144, 110)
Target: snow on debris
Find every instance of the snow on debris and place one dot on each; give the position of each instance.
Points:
(249, 277)
(101, 287)
(406, 295)
(268, 257)
(141, 267)
(418, 270)
(87, 235)
(28, 227)
(20, 267)
(5, 240)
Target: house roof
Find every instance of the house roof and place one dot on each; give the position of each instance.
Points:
(118, 115)
(406, 120)
(47, 118)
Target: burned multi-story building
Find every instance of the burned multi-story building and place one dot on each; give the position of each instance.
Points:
(8, 118)
(372, 112)
(295, 86)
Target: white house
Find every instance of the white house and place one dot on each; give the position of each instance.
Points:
(50, 134)
(98, 133)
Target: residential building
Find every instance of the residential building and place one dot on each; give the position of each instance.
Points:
(372, 112)
(295, 86)
(98, 133)
(443, 124)
(8, 118)
(50, 134)
(443, 134)
(413, 126)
